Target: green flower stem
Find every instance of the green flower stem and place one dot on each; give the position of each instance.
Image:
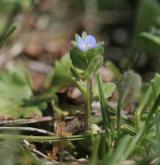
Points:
(89, 103)
(87, 95)
(88, 114)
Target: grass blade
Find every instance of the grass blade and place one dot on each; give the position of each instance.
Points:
(104, 108)
(6, 35)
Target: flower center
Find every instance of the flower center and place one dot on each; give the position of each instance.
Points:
(86, 46)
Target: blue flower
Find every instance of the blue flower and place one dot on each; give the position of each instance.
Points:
(87, 43)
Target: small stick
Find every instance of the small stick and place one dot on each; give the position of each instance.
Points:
(28, 145)
(30, 121)
(34, 150)
(27, 129)
(26, 121)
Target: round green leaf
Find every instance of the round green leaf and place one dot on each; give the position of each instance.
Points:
(94, 65)
(78, 59)
(108, 89)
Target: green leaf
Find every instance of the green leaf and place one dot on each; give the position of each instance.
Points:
(6, 35)
(108, 89)
(103, 102)
(14, 89)
(155, 85)
(118, 156)
(147, 15)
(14, 85)
(94, 52)
(62, 74)
(94, 65)
(78, 59)
(2, 23)
(9, 109)
(150, 37)
(29, 112)
(75, 73)
(111, 66)
(9, 5)
(13, 110)
(150, 96)
(129, 87)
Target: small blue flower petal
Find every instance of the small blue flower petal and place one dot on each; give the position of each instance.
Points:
(80, 43)
(80, 40)
(88, 43)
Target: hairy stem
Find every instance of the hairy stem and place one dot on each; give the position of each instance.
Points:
(86, 92)
(118, 116)
(89, 103)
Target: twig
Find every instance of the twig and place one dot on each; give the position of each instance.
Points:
(34, 150)
(28, 145)
(25, 121)
(27, 129)
(30, 121)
